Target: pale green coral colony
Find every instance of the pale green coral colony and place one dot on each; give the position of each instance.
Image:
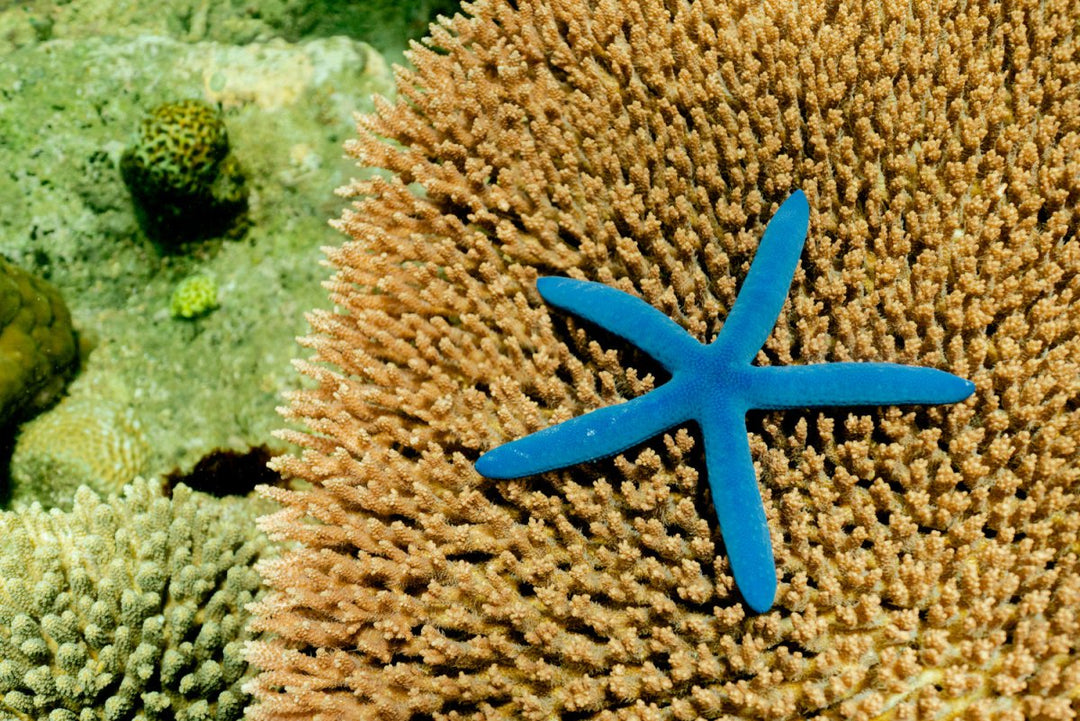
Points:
(127, 608)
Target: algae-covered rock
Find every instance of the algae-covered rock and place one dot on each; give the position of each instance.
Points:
(185, 183)
(132, 607)
(386, 24)
(38, 346)
(214, 384)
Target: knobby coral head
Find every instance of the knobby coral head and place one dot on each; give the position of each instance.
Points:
(925, 555)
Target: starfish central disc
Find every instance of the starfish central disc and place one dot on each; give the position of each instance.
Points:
(715, 385)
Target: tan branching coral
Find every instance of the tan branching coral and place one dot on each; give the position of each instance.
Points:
(928, 556)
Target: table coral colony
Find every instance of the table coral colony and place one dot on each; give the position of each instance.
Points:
(716, 385)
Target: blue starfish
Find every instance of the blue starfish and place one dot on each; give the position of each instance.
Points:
(716, 385)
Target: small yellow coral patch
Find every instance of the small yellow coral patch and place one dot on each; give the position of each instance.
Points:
(194, 297)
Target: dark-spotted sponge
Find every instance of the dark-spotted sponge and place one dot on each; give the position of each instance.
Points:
(185, 182)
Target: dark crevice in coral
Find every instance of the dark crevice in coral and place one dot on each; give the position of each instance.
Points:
(878, 434)
(534, 395)
(414, 586)
(569, 239)
(7, 447)
(406, 452)
(579, 524)
(794, 648)
(563, 374)
(456, 634)
(225, 472)
(470, 557)
(789, 421)
(577, 715)
(1069, 235)
(583, 629)
(392, 518)
(924, 422)
(704, 608)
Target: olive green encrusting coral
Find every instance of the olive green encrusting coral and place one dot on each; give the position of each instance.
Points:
(128, 608)
(185, 182)
(38, 347)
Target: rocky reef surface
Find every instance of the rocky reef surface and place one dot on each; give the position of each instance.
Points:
(72, 101)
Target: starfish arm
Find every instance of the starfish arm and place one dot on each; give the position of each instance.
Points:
(598, 434)
(853, 384)
(765, 288)
(624, 315)
(739, 509)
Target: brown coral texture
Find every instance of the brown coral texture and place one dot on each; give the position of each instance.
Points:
(927, 556)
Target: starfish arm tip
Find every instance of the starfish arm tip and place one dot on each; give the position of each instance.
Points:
(800, 201)
(623, 314)
(765, 288)
(965, 389)
(546, 283)
(601, 433)
(736, 497)
(929, 385)
(759, 594)
(848, 384)
(488, 465)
